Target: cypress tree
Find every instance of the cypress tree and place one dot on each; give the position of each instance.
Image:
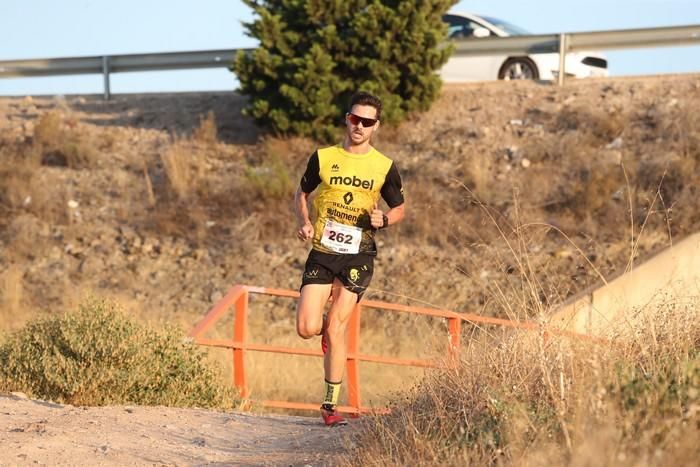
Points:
(314, 54)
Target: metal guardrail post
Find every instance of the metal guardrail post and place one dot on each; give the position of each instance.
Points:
(353, 365)
(105, 75)
(563, 45)
(240, 333)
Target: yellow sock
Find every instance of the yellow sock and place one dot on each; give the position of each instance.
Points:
(332, 393)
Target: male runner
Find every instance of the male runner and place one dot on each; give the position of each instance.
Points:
(351, 176)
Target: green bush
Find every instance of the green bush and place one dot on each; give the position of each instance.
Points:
(98, 356)
(314, 54)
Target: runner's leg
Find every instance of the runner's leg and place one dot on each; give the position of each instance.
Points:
(343, 304)
(310, 309)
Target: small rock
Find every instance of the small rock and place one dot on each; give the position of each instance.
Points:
(200, 253)
(563, 254)
(512, 153)
(73, 204)
(199, 441)
(516, 122)
(616, 144)
(35, 428)
(215, 296)
(525, 163)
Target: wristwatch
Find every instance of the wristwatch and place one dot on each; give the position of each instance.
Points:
(385, 222)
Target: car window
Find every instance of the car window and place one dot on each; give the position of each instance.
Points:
(459, 27)
(511, 29)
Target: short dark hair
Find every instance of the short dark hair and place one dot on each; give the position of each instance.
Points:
(365, 98)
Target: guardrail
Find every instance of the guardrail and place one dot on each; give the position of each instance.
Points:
(516, 45)
(238, 299)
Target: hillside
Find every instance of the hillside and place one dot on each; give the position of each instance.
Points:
(145, 199)
(519, 195)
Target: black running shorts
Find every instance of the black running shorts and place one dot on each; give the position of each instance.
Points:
(354, 271)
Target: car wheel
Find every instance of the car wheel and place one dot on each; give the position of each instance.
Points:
(518, 68)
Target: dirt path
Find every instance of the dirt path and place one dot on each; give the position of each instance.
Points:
(37, 432)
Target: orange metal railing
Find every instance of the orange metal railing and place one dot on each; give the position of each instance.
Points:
(238, 296)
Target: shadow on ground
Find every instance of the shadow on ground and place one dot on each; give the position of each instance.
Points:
(178, 114)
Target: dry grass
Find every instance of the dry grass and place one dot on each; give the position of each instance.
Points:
(183, 168)
(516, 400)
(60, 141)
(206, 132)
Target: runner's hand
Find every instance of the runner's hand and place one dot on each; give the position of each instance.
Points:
(305, 232)
(377, 218)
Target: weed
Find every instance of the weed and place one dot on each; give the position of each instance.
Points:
(183, 168)
(511, 399)
(270, 180)
(206, 132)
(59, 141)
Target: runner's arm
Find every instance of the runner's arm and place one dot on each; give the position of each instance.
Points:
(395, 214)
(392, 192)
(309, 182)
(301, 207)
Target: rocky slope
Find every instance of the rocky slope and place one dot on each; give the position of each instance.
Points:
(165, 201)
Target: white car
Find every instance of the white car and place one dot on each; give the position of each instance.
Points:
(488, 67)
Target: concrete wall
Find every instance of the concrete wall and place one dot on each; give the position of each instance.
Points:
(673, 274)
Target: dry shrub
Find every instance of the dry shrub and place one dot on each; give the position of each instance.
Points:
(98, 356)
(60, 141)
(183, 165)
(517, 399)
(206, 132)
(23, 189)
(598, 125)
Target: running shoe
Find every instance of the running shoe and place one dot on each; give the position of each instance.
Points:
(332, 418)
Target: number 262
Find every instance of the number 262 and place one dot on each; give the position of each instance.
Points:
(340, 237)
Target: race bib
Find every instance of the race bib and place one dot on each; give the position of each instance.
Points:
(341, 238)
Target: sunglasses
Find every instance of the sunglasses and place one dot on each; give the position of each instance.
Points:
(356, 120)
